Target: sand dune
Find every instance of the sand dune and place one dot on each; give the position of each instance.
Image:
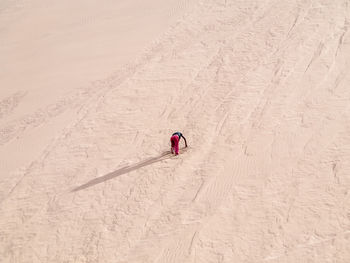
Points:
(91, 92)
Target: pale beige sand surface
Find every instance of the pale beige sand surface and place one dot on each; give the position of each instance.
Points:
(55, 54)
(91, 92)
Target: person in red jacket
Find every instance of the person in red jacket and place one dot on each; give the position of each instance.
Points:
(175, 138)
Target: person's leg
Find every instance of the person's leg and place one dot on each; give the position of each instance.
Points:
(176, 145)
(172, 140)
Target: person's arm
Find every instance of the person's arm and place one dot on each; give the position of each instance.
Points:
(184, 140)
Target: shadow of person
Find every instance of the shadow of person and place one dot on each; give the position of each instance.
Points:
(124, 170)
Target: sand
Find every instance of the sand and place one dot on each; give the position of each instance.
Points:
(90, 92)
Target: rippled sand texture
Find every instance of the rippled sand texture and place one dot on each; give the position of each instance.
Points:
(260, 89)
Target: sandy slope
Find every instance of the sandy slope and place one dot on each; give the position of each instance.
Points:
(260, 90)
(56, 55)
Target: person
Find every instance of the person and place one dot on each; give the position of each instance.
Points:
(175, 138)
